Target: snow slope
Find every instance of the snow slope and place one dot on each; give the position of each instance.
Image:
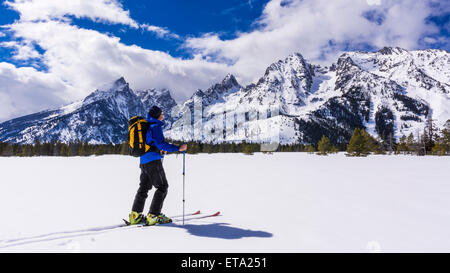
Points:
(284, 202)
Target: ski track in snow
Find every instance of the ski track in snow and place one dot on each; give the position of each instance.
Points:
(59, 235)
(84, 232)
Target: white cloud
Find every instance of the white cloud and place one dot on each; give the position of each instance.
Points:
(429, 40)
(160, 31)
(25, 90)
(81, 60)
(374, 2)
(319, 29)
(108, 11)
(87, 58)
(23, 51)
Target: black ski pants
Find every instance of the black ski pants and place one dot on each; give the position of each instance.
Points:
(152, 174)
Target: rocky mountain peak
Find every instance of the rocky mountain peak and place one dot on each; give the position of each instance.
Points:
(294, 62)
(291, 73)
(295, 57)
(117, 88)
(218, 91)
(392, 50)
(198, 93)
(229, 81)
(120, 81)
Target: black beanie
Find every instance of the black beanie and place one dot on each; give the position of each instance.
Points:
(155, 112)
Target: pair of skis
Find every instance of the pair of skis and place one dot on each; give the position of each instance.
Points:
(178, 218)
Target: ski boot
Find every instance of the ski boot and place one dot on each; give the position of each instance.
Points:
(153, 219)
(136, 218)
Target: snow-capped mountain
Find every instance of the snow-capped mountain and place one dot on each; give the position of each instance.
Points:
(162, 99)
(101, 117)
(390, 92)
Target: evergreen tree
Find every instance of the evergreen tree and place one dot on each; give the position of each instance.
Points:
(438, 149)
(334, 150)
(24, 151)
(17, 149)
(46, 149)
(36, 150)
(207, 148)
(233, 148)
(74, 148)
(109, 148)
(324, 146)
(379, 149)
(222, 148)
(310, 149)
(421, 144)
(124, 150)
(412, 145)
(84, 149)
(445, 137)
(64, 150)
(57, 148)
(429, 135)
(372, 144)
(246, 149)
(99, 150)
(402, 147)
(361, 143)
(442, 143)
(391, 143)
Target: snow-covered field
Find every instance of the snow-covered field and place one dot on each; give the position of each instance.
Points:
(284, 202)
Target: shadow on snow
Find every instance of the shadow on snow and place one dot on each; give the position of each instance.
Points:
(221, 231)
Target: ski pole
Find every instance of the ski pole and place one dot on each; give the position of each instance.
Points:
(184, 159)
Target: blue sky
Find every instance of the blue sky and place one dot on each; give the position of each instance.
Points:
(184, 18)
(56, 52)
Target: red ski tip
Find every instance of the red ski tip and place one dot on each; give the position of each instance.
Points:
(197, 212)
(216, 214)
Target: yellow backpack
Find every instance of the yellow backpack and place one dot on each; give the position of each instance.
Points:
(137, 132)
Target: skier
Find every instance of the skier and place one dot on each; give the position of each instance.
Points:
(152, 173)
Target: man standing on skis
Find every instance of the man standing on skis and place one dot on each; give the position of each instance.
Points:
(152, 173)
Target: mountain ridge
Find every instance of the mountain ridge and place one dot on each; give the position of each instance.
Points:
(390, 92)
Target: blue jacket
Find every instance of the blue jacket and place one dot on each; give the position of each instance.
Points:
(155, 134)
